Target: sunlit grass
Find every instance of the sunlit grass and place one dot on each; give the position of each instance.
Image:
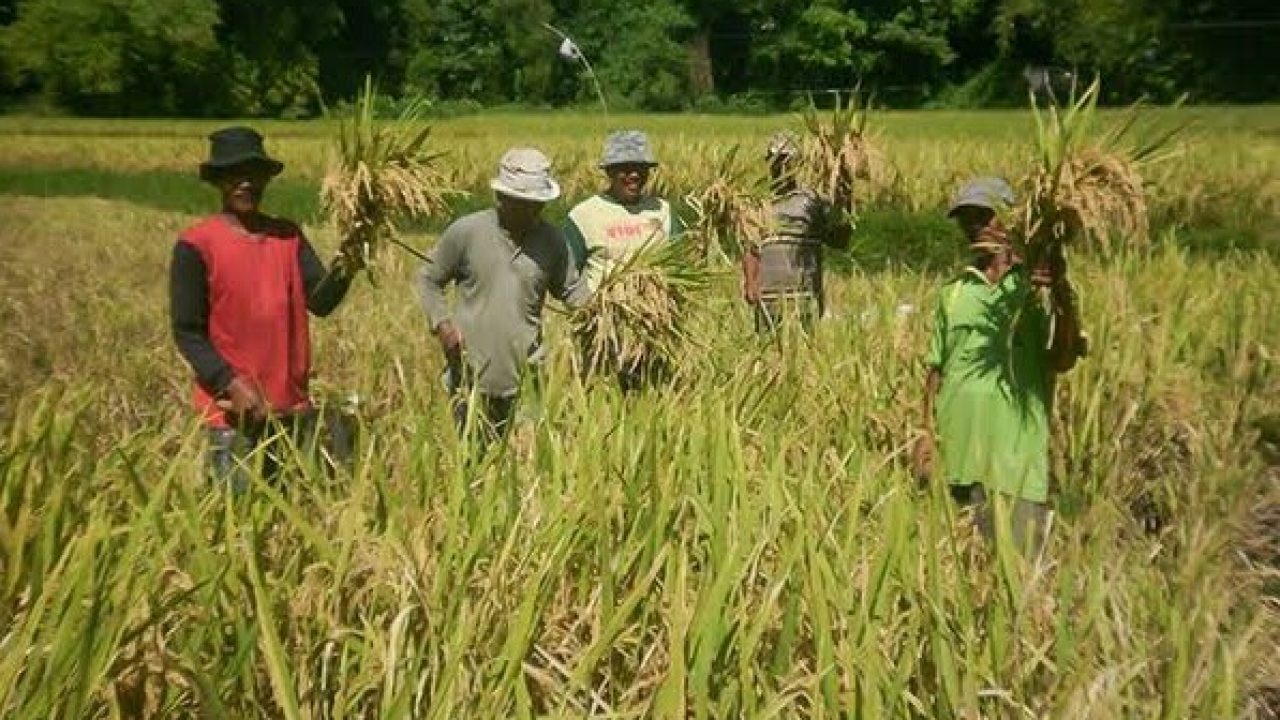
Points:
(744, 544)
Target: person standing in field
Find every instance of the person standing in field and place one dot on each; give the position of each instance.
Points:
(607, 228)
(504, 262)
(992, 359)
(782, 275)
(241, 286)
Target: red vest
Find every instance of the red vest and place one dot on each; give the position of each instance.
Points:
(257, 311)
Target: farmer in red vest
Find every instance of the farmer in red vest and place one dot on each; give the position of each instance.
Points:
(241, 285)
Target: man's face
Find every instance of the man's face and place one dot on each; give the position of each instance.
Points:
(975, 220)
(518, 216)
(242, 187)
(627, 181)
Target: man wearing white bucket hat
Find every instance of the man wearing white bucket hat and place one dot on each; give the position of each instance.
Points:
(504, 261)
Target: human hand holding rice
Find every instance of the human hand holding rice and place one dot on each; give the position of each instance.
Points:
(381, 174)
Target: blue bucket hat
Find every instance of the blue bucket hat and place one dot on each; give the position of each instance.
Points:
(625, 147)
(984, 192)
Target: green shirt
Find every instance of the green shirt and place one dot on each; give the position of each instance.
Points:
(989, 342)
(501, 286)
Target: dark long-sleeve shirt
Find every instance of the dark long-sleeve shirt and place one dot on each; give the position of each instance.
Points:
(190, 305)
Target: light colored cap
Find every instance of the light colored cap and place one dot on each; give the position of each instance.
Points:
(525, 173)
(625, 147)
(984, 192)
(782, 144)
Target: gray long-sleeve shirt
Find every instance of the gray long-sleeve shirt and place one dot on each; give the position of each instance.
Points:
(501, 288)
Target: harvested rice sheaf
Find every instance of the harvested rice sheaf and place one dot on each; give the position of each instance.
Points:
(637, 322)
(731, 210)
(1093, 197)
(381, 174)
(1086, 187)
(837, 150)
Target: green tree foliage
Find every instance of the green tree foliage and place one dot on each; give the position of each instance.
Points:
(493, 52)
(290, 57)
(115, 56)
(272, 66)
(639, 51)
(1212, 49)
(371, 39)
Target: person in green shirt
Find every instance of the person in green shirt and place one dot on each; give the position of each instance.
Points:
(992, 359)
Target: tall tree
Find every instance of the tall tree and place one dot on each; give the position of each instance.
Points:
(1161, 48)
(370, 40)
(272, 62)
(116, 56)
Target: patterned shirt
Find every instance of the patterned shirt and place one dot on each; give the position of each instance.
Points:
(791, 256)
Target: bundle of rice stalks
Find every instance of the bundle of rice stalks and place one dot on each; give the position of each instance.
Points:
(637, 322)
(837, 152)
(381, 174)
(731, 212)
(1086, 186)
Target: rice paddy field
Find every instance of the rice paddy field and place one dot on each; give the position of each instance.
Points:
(745, 542)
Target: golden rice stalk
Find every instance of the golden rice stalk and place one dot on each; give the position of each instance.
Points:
(837, 153)
(637, 322)
(380, 174)
(1085, 186)
(731, 211)
(1095, 196)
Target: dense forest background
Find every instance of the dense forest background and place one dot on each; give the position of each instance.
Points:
(294, 58)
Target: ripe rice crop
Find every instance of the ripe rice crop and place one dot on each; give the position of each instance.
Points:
(637, 323)
(837, 152)
(746, 542)
(381, 174)
(731, 210)
(1085, 186)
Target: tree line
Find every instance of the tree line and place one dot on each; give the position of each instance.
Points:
(293, 58)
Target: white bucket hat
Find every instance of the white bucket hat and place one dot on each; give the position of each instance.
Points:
(525, 173)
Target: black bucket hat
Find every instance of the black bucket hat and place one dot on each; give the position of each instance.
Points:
(234, 146)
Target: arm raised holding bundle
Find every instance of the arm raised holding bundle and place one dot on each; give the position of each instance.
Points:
(326, 288)
(839, 225)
